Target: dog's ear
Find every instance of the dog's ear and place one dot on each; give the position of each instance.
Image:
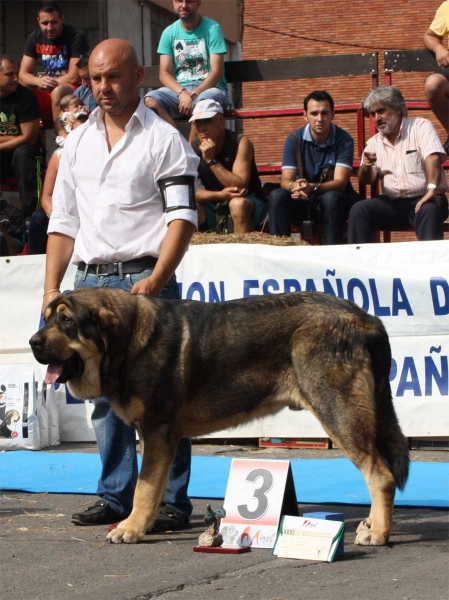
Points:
(110, 325)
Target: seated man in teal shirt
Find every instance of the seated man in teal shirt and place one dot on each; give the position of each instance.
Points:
(195, 45)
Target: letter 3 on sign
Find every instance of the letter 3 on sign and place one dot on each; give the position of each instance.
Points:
(260, 494)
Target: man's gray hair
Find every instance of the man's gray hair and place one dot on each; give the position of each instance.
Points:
(389, 95)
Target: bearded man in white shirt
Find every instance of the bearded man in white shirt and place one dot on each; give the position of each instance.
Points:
(406, 156)
(112, 217)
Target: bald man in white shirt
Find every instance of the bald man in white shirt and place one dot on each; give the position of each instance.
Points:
(113, 218)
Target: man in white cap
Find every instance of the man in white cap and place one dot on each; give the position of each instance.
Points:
(227, 171)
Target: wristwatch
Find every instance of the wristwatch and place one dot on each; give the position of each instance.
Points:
(432, 186)
(214, 161)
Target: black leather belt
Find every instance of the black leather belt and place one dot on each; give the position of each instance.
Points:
(128, 267)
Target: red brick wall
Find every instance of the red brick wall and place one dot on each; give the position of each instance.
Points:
(324, 27)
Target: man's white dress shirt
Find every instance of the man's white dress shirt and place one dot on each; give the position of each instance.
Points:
(110, 202)
(407, 177)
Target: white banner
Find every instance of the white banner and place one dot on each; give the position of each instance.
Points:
(405, 284)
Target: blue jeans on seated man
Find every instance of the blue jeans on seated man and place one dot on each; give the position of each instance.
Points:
(331, 209)
(117, 441)
(37, 232)
(169, 99)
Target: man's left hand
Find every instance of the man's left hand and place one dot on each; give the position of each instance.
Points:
(148, 286)
(442, 57)
(185, 105)
(430, 196)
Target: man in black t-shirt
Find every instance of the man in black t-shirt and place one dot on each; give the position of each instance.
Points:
(58, 47)
(21, 150)
(227, 171)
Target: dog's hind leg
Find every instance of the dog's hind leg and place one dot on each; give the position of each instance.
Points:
(386, 468)
(375, 530)
(341, 395)
(359, 447)
(158, 455)
(358, 443)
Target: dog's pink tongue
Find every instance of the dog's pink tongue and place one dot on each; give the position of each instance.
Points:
(53, 372)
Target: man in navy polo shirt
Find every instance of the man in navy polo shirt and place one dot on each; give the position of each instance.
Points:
(316, 170)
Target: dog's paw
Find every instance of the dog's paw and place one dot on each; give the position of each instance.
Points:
(369, 537)
(364, 525)
(124, 535)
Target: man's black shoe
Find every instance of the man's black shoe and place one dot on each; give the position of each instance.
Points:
(98, 514)
(168, 519)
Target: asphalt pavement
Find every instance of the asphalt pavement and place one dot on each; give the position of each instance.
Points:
(44, 557)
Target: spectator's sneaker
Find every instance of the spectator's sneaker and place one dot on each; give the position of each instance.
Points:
(98, 514)
(168, 519)
(446, 145)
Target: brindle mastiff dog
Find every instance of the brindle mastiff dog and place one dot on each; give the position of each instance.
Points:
(174, 368)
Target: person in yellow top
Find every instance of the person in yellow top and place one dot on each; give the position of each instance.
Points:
(437, 84)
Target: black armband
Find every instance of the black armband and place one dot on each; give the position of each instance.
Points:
(178, 192)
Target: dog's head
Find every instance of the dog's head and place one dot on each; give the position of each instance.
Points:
(80, 328)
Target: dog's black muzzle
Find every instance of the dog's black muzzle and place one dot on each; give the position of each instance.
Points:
(38, 347)
(71, 368)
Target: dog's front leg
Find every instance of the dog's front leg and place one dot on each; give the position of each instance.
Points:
(158, 455)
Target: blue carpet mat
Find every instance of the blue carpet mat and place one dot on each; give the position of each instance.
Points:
(317, 481)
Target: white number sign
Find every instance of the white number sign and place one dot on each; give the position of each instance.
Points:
(257, 494)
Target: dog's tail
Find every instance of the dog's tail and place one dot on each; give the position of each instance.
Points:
(390, 441)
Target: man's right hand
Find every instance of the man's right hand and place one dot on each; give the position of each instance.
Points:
(369, 159)
(208, 149)
(47, 83)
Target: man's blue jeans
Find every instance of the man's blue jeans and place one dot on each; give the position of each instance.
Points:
(332, 211)
(169, 99)
(117, 441)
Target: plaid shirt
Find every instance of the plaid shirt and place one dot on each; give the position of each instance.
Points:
(405, 158)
